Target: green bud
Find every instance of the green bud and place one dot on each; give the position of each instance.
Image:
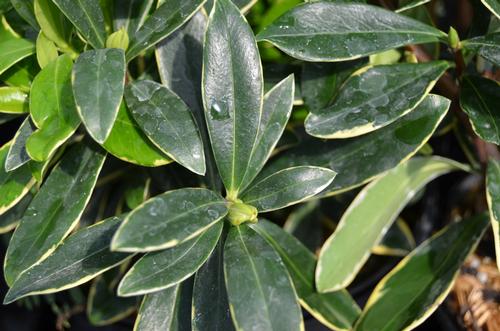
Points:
(240, 213)
(410, 57)
(118, 39)
(453, 38)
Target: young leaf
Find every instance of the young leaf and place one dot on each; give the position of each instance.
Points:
(127, 142)
(346, 31)
(278, 103)
(10, 219)
(493, 6)
(487, 46)
(260, 292)
(413, 290)
(87, 17)
(160, 270)
(374, 97)
(357, 160)
(55, 210)
(169, 219)
(365, 221)
(17, 155)
(73, 263)
(336, 310)
(46, 50)
(52, 109)
(15, 184)
(13, 51)
(287, 187)
(53, 23)
(13, 100)
(167, 122)
(480, 98)
(98, 81)
(165, 20)
(131, 14)
(493, 198)
(233, 92)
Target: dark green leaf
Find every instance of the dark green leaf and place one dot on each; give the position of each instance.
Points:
(170, 219)
(55, 210)
(131, 14)
(487, 46)
(10, 219)
(493, 198)
(493, 6)
(411, 292)
(160, 270)
(167, 122)
(480, 98)
(98, 81)
(336, 310)
(260, 291)
(17, 155)
(13, 100)
(325, 31)
(374, 97)
(233, 92)
(287, 187)
(73, 263)
(25, 9)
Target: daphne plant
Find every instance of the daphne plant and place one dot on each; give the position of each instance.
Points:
(155, 145)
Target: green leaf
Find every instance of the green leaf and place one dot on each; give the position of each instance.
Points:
(13, 51)
(232, 91)
(365, 221)
(373, 97)
(260, 291)
(127, 142)
(405, 5)
(337, 310)
(131, 14)
(21, 74)
(479, 98)
(169, 219)
(46, 50)
(104, 307)
(15, 184)
(55, 210)
(160, 270)
(287, 187)
(210, 305)
(25, 9)
(493, 6)
(278, 104)
(414, 289)
(17, 155)
(347, 31)
(487, 46)
(98, 81)
(493, 198)
(55, 26)
(52, 109)
(10, 219)
(88, 19)
(165, 20)
(357, 160)
(243, 5)
(73, 263)
(13, 100)
(167, 122)
(397, 241)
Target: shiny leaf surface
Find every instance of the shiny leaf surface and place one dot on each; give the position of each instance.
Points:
(17, 155)
(13, 100)
(13, 51)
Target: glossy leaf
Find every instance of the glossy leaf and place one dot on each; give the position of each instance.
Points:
(233, 92)
(52, 109)
(170, 219)
(480, 98)
(278, 103)
(365, 223)
(167, 122)
(55, 26)
(13, 100)
(73, 263)
(55, 210)
(131, 14)
(160, 270)
(336, 310)
(25, 9)
(358, 160)
(374, 97)
(88, 19)
(487, 46)
(17, 155)
(10, 219)
(493, 6)
(46, 50)
(15, 184)
(166, 19)
(98, 82)
(260, 291)
(127, 142)
(287, 187)
(327, 31)
(493, 198)
(426, 275)
(13, 51)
